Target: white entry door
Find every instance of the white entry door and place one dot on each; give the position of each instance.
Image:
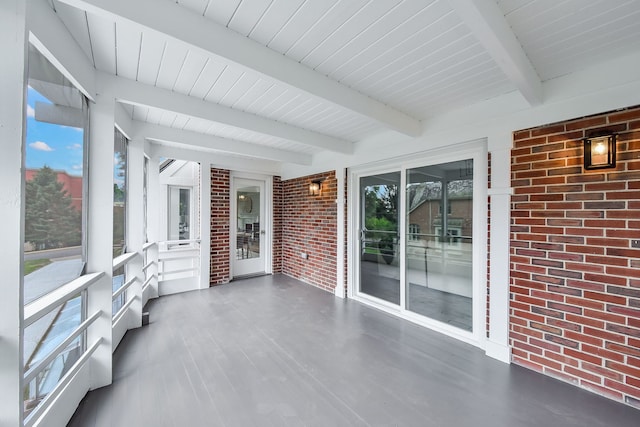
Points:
(249, 231)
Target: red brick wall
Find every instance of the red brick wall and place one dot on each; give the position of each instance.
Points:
(575, 280)
(309, 226)
(277, 225)
(220, 227)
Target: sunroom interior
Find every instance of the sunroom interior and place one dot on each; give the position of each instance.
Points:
(426, 160)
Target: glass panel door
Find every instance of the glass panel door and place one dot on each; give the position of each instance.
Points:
(379, 250)
(250, 231)
(439, 222)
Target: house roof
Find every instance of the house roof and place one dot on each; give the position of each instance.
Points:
(284, 80)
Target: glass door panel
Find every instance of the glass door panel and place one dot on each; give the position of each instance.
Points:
(250, 232)
(439, 222)
(379, 250)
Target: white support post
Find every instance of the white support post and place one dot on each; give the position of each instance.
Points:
(153, 219)
(100, 235)
(340, 289)
(135, 227)
(497, 345)
(13, 45)
(205, 224)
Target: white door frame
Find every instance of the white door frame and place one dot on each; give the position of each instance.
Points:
(266, 223)
(476, 150)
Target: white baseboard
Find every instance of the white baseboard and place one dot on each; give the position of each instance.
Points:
(497, 351)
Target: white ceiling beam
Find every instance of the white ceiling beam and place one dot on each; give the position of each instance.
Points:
(49, 35)
(201, 34)
(215, 143)
(488, 24)
(211, 159)
(136, 93)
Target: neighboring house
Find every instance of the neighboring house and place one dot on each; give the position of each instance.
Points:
(71, 184)
(426, 217)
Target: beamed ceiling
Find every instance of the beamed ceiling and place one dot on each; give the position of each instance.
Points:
(285, 79)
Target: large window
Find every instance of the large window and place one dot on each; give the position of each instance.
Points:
(119, 214)
(145, 201)
(119, 193)
(54, 242)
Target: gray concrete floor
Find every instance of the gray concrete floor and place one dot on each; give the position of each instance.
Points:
(271, 351)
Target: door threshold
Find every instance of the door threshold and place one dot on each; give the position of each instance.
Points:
(249, 276)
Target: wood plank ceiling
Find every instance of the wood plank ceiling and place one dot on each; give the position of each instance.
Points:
(340, 70)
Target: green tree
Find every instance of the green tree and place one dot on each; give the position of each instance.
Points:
(381, 201)
(51, 221)
(118, 194)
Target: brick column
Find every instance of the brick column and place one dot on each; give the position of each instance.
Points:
(277, 225)
(220, 227)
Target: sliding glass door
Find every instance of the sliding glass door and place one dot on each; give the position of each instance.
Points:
(439, 221)
(416, 247)
(379, 238)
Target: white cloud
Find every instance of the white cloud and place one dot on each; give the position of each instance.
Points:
(40, 146)
(30, 111)
(74, 147)
(76, 167)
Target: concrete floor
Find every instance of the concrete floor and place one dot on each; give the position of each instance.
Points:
(271, 351)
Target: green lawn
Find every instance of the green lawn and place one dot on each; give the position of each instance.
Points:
(371, 250)
(35, 264)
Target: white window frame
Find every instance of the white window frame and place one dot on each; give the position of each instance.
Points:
(476, 150)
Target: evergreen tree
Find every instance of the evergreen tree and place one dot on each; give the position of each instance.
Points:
(51, 221)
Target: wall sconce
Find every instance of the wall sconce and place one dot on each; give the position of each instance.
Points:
(600, 152)
(315, 187)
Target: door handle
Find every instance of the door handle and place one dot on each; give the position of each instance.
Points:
(262, 232)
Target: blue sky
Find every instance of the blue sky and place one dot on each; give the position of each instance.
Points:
(59, 147)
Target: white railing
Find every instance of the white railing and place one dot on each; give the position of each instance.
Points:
(38, 402)
(127, 272)
(122, 260)
(31, 419)
(128, 300)
(178, 266)
(149, 269)
(120, 299)
(178, 259)
(43, 305)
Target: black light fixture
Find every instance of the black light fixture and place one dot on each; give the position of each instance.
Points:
(600, 151)
(315, 187)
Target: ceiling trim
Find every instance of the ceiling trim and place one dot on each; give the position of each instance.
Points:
(135, 93)
(215, 143)
(199, 33)
(487, 22)
(210, 159)
(49, 35)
